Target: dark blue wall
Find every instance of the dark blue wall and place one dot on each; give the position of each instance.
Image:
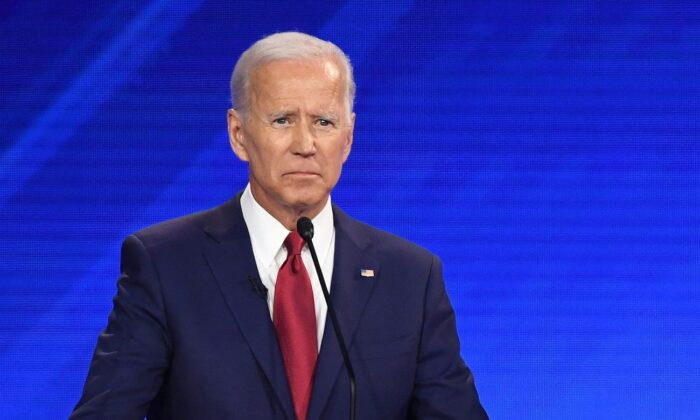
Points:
(549, 152)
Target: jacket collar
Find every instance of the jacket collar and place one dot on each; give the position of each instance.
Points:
(231, 260)
(349, 294)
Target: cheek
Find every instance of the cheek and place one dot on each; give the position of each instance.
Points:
(262, 159)
(333, 165)
(262, 166)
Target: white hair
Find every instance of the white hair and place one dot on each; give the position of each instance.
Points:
(284, 46)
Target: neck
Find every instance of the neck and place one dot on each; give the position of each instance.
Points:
(288, 215)
(289, 218)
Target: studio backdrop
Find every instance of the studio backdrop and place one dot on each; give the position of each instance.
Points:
(547, 151)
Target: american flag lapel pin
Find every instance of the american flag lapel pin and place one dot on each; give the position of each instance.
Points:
(366, 273)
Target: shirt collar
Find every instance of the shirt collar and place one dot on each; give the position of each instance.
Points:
(267, 234)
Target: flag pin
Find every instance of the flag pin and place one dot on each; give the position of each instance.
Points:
(367, 273)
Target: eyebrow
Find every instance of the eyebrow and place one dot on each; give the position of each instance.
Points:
(329, 116)
(278, 114)
(284, 113)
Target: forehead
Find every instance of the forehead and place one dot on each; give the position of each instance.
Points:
(309, 80)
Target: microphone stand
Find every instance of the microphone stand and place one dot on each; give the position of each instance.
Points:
(307, 232)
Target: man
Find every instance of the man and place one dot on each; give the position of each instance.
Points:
(220, 314)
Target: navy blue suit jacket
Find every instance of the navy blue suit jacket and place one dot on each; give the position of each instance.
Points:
(189, 337)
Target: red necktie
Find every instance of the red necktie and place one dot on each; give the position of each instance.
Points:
(295, 322)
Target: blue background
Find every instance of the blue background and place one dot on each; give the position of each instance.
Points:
(549, 152)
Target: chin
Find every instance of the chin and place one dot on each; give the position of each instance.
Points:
(307, 199)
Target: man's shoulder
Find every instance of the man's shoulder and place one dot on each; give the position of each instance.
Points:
(383, 243)
(189, 228)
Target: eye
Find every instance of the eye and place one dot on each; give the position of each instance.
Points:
(281, 121)
(324, 122)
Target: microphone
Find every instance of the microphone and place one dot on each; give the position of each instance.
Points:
(258, 287)
(306, 230)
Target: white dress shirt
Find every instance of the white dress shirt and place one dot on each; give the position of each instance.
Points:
(267, 236)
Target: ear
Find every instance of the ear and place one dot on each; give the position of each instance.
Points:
(236, 134)
(347, 146)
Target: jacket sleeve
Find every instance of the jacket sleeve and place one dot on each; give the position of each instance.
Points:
(133, 351)
(444, 386)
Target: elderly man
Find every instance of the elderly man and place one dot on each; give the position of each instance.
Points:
(220, 314)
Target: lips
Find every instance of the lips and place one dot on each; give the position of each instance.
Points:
(302, 173)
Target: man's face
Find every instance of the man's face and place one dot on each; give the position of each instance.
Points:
(296, 136)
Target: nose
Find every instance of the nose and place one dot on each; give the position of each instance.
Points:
(304, 140)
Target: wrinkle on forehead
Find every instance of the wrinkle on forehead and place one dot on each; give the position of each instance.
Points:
(267, 86)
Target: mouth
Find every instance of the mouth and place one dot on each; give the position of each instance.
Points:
(303, 174)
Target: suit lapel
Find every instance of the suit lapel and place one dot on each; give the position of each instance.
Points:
(349, 294)
(232, 262)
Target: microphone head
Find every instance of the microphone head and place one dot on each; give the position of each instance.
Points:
(305, 228)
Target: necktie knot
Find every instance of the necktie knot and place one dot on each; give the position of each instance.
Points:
(294, 243)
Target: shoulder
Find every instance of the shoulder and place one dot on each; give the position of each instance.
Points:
(383, 245)
(190, 229)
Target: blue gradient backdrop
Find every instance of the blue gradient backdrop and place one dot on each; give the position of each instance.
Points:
(549, 152)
